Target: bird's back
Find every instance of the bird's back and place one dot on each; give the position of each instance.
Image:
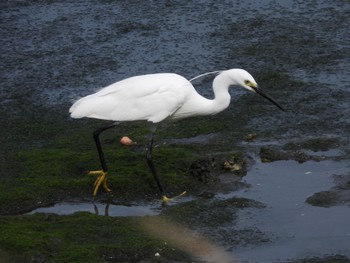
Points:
(152, 97)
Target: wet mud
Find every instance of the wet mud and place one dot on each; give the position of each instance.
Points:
(262, 185)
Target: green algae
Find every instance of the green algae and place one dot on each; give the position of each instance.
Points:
(81, 237)
(58, 172)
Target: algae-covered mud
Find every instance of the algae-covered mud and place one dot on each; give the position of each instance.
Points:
(262, 185)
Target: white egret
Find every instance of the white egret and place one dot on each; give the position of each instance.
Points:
(156, 98)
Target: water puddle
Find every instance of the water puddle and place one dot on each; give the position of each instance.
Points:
(67, 208)
(109, 209)
(295, 228)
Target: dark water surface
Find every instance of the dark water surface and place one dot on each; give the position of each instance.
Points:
(296, 228)
(53, 52)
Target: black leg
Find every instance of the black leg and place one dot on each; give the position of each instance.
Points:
(102, 174)
(150, 160)
(96, 135)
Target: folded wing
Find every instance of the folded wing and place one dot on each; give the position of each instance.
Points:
(152, 97)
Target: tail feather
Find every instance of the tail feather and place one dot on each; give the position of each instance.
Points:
(85, 106)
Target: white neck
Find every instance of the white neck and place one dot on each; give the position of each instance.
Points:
(203, 106)
(222, 98)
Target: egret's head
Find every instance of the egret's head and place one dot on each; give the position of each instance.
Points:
(246, 80)
(242, 78)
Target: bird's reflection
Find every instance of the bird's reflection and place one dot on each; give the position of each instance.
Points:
(106, 209)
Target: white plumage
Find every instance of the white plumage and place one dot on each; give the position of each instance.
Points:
(151, 97)
(156, 97)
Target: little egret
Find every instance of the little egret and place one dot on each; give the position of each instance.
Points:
(156, 98)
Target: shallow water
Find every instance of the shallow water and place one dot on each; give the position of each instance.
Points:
(67, 208)
(296, 228)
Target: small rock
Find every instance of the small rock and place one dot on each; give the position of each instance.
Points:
(126, 141)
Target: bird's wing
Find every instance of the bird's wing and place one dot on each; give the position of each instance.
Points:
(152, 97)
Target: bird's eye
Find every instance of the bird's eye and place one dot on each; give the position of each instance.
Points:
(247, 82)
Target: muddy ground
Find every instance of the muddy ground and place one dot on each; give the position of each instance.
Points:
(262, 185)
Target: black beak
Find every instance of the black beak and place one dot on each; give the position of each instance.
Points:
(266, 96)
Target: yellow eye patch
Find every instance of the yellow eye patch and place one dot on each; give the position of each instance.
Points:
(250, 84)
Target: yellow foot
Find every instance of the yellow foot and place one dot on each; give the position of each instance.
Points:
(101, 178)
(166, 199)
